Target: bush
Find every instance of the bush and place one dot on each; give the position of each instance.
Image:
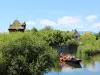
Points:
(27, 54)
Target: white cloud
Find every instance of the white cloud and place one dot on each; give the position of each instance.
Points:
(48, 22)
(30, 23)
(91, 18)
(96, 25)
(67, 20)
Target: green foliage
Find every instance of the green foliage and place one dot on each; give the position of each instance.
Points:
(47, 28)
(88, 45)
(27, 30)
(98, 35)
(56, 37)
(34, 29)
(25, 54)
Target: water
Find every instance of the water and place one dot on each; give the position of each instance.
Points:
(86, 67)
(89, 70)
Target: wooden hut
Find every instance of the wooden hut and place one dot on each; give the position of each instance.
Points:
(17, 26)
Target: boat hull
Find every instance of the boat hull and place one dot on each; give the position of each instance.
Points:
(76, 61)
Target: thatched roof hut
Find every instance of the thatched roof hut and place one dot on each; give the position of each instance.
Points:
(17, 26)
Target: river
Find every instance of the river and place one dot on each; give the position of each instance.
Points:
(89, 66)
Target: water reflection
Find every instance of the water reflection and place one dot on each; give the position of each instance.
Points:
(91, 61)
(94, 68)
(69, 67)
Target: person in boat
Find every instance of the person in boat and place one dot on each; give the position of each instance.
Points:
(70, 57)
(61, 54)
(64, 58)
(73, 57)
(61, 59)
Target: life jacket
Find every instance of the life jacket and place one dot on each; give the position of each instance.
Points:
(61, 59)
(64, 58)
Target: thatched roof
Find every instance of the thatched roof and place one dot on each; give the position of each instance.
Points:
(16, 25)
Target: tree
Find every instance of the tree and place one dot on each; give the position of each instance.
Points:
(98, 35)
(34, 29)
(88, 37)
(27, 30)
(47, 28)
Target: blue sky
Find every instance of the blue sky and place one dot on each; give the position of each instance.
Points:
(83, 15)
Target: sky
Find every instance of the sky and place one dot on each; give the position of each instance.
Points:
(83, 15)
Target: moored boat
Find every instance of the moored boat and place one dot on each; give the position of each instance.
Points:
(70, 58)
(76, 61)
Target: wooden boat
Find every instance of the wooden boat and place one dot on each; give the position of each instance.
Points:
(76, 61)
(74, 65)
